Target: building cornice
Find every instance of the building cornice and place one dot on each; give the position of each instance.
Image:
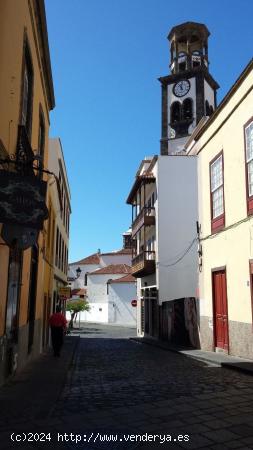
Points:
(197, 71)
(39, 7)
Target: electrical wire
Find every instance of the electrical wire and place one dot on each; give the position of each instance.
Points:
(183, 255)
(229, 227)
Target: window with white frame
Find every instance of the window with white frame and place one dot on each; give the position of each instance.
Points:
(249, 157)
(216, 178)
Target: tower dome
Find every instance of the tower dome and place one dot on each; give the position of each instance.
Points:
(188, 46)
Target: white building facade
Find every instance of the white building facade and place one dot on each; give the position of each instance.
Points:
(164, 197)
(94, 276)
(164, 201)
(121, 309)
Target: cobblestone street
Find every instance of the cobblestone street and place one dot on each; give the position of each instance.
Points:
(117, 386)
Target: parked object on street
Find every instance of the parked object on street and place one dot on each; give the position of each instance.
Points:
(58, 324)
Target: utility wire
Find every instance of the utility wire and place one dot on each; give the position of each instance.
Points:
(183, 255)
(229, 227)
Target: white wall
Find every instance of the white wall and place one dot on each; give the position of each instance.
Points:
(79, 282)
(176, 226)
(177, 144)
(120, 310)
(97, 287)
(209, 94)
(98, 313)
(106, 260)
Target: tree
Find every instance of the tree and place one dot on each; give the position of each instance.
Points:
(75, 306)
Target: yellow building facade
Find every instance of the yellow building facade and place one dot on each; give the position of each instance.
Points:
(27, 96)
(61, 202)
(224, 145)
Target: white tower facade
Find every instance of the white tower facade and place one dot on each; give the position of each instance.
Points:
(189, 92)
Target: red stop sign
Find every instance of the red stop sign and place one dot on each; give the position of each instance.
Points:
(134, 303)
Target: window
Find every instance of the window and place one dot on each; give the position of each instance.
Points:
(41, 142)
(13, 294)
(175, 112)
(60, 251)
(217, 193)
(153, 200)
(182, 61)
(249, 165)
(187, 109)
(196, 58)
(27, 92)
(182, 112)
(57, 248)
(208, 108)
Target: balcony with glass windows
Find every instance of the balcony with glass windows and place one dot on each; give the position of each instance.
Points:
(143, 264)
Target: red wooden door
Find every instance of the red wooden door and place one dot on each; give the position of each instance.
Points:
(220, 309)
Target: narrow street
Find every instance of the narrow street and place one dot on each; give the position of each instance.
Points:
(117, 387)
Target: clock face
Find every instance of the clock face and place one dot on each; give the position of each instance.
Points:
(181, 88)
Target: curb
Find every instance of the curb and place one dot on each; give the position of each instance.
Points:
(226, 365)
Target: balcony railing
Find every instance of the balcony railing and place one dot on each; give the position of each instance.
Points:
(143, 264)
(146, 217)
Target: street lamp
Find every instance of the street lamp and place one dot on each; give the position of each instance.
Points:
(78, 272)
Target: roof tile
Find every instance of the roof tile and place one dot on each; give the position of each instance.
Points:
(126, 279)
(112, 269)
(92, 259)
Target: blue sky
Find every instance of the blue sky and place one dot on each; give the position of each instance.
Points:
(106, 57)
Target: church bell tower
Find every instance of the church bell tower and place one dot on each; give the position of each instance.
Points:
(189, 92)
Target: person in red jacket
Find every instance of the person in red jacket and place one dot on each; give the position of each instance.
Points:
(58, 324)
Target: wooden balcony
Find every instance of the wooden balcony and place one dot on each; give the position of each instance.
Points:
(146, 217)
(143, 264)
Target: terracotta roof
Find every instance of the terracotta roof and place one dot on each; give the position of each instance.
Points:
(78, 291)
(123, 251)
(112, 269)
(126, 279)
(92, 259)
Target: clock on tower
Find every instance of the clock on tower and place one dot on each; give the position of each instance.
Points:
(189, 92)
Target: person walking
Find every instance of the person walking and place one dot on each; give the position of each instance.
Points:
(58, 324)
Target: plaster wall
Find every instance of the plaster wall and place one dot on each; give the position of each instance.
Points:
(19, 24)
(97, 287)
(232, 248)
(79, 283)
(98, 313)
(176, 216)
(171, 99)
(209, 94)
(106, 260)
(120, 310)
(56, 157)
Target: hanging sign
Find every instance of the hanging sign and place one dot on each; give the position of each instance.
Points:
(22, 200)
(19, 236)
(64, 292)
